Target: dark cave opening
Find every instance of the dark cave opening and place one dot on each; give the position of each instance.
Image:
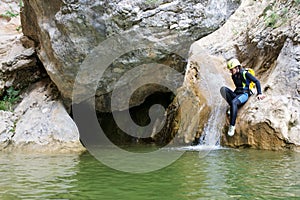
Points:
(140, 116)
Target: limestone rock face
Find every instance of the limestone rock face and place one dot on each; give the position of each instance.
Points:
(201, 109)
(274, 123)
(270, 45)
(7, 127)
(274, 53)
(9, 19)
(17, 53)
(39, 124)
(19, 66)
(42, 123)
(68, 31)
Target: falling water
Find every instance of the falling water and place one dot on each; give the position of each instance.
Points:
(212, 132)
(210, 81)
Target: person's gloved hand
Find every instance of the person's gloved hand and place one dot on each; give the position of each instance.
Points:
(260, 96)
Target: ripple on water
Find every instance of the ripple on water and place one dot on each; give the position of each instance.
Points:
(220, 174)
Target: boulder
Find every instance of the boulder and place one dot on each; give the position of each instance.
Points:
(39, 123)
(43, 124)
(66, 32)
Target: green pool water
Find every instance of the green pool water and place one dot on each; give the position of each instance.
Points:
(222, 174)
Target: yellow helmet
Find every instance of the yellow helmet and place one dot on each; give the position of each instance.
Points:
(233, 63)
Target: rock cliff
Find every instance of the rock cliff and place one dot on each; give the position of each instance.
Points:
(58, 37)
(67, 31)
(32, 116)
(273, 45)
(64, 38)
(266, 39)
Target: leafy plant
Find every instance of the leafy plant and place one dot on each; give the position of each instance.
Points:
(3, 105)
(21, 4)
(11, 97)
(272, 19)
(10, 14)
(152, 2)
(19, 28)
(13, 129)
(269, 7)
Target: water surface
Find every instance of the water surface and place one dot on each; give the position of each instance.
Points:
(221, 174)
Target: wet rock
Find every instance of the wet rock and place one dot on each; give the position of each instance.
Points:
(272, 50)
(204, 109)
(188, 114)
(280, 110)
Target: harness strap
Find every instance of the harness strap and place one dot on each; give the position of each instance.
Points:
(244, 82)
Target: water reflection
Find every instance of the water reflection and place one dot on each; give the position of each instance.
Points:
(36, 176)
(222, 174)
(250, 174)
(108, 183)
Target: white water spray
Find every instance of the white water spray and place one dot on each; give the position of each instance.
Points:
(210, 81)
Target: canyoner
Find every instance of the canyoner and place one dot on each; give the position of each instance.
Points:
(244, 80)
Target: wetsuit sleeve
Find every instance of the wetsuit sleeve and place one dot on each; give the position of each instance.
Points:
(255, 80)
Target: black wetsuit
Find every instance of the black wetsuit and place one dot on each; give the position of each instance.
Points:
(240, 95)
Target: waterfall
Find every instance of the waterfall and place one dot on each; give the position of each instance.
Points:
(210, 80)
(212, 132)
(201, 108)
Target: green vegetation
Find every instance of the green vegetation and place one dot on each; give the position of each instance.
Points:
(275, 18)
(11, 13)
(11, 97)
(277, 14)
(19, 28)
(272, 19)
(297, 2)
(21, 4)
(13, 129)
(151, 2)
(235, 32)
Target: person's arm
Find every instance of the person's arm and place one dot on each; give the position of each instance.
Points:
(249, 76)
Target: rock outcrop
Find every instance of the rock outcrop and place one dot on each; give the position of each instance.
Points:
(67, 36)
(44, 121)
(19, 64)
(40, 123)
(66, 32)
(269, 44)
(33, 118)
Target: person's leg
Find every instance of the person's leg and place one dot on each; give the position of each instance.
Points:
(227, 94)
(235, 103)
